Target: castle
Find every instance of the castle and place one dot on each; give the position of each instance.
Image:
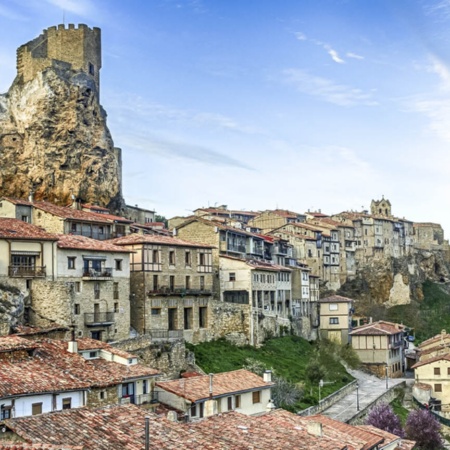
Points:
(70, 48)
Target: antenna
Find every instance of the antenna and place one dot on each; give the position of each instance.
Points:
(64, 16)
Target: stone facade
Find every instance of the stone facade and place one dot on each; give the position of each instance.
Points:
(79, 47)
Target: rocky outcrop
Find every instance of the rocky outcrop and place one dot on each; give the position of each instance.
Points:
(11, 308)
(54, 141)
(395, 281)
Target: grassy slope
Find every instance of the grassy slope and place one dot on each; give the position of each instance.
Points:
(287, 356)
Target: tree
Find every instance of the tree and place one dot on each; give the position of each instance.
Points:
(162, 219)
(383, 417)
(423, 427)
(314, 372)
(286, 394)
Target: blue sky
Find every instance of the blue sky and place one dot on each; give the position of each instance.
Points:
(260, 104)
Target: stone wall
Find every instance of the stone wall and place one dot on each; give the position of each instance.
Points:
(110, 396)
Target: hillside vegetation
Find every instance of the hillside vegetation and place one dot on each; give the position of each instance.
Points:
(291, 358)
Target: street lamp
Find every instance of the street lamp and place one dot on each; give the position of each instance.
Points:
(357, 396)
(320, 386)
(387, 386)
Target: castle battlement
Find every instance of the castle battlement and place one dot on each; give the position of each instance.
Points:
(79, 46)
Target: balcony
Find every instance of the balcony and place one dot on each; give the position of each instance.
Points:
(27, 271)
(179, 291)
(93, 274)
(99, 236)
(236, 248)
(99, 319)
(143, 399)
(164, 335)
(396, 344)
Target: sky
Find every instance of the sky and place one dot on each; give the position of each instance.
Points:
(264, 104)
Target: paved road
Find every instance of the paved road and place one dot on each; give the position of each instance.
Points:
(370, 388)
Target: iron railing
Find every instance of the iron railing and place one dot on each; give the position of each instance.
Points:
(179, 290)
(142, 399)
(27, 271)
(106, 272)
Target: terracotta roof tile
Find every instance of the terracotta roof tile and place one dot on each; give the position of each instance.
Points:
(197, 388)
(445, 357)
(378, 328)
(17, 229)
(75, 242)
(16, 343)
(156, 239)
(66, 212)
(336, 299)
(17, 201)
(258, 264)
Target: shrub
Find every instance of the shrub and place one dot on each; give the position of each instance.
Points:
(383, 417)
(422, 427)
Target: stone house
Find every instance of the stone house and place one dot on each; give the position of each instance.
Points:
(171, 286)
(271, 219)
(240, 390)
(49, 375)
(380, 347)
(91, 290)
(13, 208)
(264, 288)
(335, 314)
(225, 213)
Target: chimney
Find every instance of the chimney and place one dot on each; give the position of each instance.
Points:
(172, 416)
(211, 386)
(210, 408)
(73, 345)
(270, 406)
(31, 197)
(314, 428)
(267, 376)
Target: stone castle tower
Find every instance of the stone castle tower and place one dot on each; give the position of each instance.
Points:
(75, 48)
(381, 207)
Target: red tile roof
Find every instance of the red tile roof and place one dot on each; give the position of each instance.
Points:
(445, 357)
(17, 229)
(4, 445)
(258, 265)
(156, 239)
(195, 389)
(336, 299)
(66, 212)
(76, 242)
(378, 328)
(15, 343)
(17, 201)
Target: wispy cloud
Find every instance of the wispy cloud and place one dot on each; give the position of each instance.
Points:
(326, 89)
(11, 14)
(327, 47)
(182, 150)
(439, 9)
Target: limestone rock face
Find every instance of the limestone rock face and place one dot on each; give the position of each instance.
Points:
(54, 141)
(11, 307)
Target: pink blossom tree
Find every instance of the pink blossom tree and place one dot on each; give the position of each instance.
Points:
(383, 417)
(423, 427)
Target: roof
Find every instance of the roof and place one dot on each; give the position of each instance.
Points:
(258, 264)
(336, 299)
(443, 336)
(196, 389)
(66, 212)
(52, 368)
(156, 239)
(123, 427)
(17, 201)
(5, 445)
(15, 343)
(379, 328)
(76, 242)
(93, 344)
(17, 229)
(445, 357)
(228, 211)
(423, 386)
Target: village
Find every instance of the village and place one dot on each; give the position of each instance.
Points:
(98, 304)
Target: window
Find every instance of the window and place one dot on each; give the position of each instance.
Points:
(448, 370)
(96, 290)
(92, 354)
(193, 410)
(202, 283)
(156, 311)
(438, 388)
(230, 403)
(145, 386)
(203, 316)
(102, 395)
(256, 397)
(76, 309)
(188, 282)
(334, 320)
(172, 282)
(66, 403)
(155, 256)
(155, 282)
(201, 259)
(437, 370)
(91, 69)
(172, 258)
(77, 286)
(237, 401)
(187, 318)
(333, 307)
(118, 264)
(187, 258)
(36, 408)
(232, 276)
(116, 291)
(5, 412)
(116, 307)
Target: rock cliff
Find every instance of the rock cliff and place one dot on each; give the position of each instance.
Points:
(54, 140)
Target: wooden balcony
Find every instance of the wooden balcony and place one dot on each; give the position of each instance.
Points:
(95, 275)
(99, 319)
(27, 272)
(178, 291)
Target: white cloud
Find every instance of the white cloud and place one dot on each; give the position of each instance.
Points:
(300, 36)
(10, 14)
(353, 55)
(327, 90)
(438, 67)
(335, 57)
